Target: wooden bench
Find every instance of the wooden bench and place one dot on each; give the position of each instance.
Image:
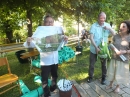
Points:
(29, 54)
(4, 48)
(73, 41)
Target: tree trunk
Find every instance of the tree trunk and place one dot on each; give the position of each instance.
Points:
(29, 26)
(29, 22)
(9, 32)
(9, 35)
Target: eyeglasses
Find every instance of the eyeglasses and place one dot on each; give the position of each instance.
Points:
(50, 22)
(124, 27)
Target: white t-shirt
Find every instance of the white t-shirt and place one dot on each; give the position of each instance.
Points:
(49, 58)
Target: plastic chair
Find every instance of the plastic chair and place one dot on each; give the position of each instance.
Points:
(10, 80)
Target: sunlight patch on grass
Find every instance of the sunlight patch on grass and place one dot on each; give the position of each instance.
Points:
(79, 77)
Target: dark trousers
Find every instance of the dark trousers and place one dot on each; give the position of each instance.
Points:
(45, 71)
(92, 60)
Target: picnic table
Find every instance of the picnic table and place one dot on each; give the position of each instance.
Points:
(30, 55)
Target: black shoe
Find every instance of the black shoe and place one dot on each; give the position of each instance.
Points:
(52, 88)
(89, 80)
(103, 82)
(46, 95)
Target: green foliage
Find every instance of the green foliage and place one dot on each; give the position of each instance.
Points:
(15, 12)
(69, 24)
(70, 31)
(20, 34)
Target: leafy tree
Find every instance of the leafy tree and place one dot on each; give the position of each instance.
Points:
(31, 12)
(8, 22)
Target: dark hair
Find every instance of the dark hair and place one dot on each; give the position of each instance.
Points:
(127, 22)
(47, 16)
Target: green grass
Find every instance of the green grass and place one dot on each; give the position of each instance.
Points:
(74, 71)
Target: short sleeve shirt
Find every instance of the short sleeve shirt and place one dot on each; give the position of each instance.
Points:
(99, 34)
(121, 45)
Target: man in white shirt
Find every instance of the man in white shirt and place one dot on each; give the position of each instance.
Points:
(48, 62)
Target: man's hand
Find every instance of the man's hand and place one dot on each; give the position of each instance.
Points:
(107, 28)
(110, 29)
(65, 38)
(97, 50)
